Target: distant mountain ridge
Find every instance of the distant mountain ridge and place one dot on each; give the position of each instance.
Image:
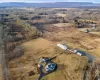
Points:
(55, 4)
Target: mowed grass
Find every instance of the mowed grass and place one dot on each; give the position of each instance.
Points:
(76, 38)
(69, 65)
(57, 75)
(96, 52)
(63, 25)
(34, 49)
(61, 15)
(37, 45)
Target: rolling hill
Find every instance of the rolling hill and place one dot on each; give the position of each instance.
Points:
(56, 4)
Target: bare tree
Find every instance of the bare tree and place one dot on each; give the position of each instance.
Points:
(4, 38)
(94, 71)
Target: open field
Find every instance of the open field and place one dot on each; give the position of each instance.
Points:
(67, 63)
(62, 25)
(38, 31)
(37, 45)
(61, 15)
(76, 38)
(28, 62)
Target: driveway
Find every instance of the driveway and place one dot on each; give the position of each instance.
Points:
(90, 57)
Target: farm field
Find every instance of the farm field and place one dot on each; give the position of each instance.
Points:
(31, 57)
(31, 35)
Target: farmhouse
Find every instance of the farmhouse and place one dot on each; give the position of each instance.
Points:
(50, 67)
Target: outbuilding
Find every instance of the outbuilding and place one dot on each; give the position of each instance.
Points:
(78, 53)
(62, 46)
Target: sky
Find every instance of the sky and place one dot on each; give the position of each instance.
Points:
(37, 1)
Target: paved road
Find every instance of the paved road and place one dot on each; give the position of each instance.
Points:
(90, 57)
(90, 60)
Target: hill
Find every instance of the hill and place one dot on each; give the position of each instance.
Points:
(70, 66)
(56, 4)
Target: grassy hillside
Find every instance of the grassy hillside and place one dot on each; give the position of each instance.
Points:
(70, 66)
(53, 25)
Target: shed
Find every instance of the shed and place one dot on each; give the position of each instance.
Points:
(62, 46)
(78, 53)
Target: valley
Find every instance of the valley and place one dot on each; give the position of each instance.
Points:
(33, 33)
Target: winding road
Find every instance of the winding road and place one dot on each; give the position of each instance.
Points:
(90, 57)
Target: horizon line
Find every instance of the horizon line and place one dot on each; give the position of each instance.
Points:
(46, 2)
(51, 2)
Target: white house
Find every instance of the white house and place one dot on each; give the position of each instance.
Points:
(62, 46)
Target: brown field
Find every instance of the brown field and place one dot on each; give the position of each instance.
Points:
(64, 8)
(52, 26)
(67, 63)
(39, 44)
(76, 38)
(62, 25)
(61, 15)
(70, 67)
